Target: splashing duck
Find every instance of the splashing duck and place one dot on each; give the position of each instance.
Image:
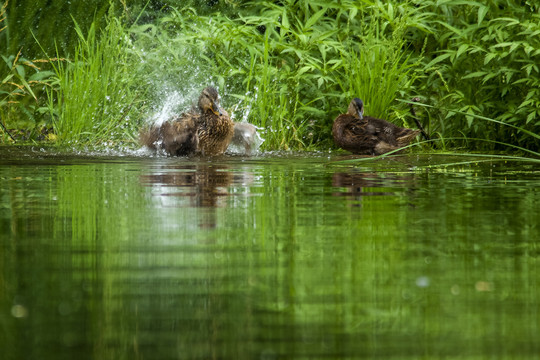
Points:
(207, 130)
(366, 135)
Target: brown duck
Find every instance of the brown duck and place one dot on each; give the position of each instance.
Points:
(207, 130)
(366, 135)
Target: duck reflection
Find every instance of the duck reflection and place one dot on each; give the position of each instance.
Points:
(205, 186)
(356, 185)
(359, 184)
(201, 186)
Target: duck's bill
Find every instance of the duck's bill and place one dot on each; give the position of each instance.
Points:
(216, 109)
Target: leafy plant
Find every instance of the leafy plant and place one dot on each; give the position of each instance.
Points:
(487, 63)
(21, 79)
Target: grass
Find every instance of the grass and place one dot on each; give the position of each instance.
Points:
(93, 101)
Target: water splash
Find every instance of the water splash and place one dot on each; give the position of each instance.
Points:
(167, 109)
(246, 139)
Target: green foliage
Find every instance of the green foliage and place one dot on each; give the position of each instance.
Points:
(20, 79)
(48, 21)
(486, 64)
(94, 99)
(292, 66)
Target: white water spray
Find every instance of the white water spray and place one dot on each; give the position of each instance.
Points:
(167, 110)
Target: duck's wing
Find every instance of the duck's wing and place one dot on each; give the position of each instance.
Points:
(149, 137)
(382, 127)
(245, 135)
(180, 136)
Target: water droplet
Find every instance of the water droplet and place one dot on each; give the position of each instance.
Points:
(19, 311)
(483, 286)
(422, 281)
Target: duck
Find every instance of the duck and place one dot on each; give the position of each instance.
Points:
(366, 135)
(206, 130)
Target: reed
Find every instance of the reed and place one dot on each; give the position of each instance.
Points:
(94, 99)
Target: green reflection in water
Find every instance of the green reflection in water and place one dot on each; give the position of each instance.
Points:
(270, 257)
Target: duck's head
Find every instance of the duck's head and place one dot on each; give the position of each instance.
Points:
(356, 108)
(209, 101)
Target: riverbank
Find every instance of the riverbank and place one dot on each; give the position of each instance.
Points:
(285, 68)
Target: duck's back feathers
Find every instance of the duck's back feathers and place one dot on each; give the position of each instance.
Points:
(149, 137)
(352, 134)
(390, 133)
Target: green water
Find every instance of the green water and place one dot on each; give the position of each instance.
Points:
(271, 257)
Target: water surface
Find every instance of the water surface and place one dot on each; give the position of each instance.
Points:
(279, 256)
